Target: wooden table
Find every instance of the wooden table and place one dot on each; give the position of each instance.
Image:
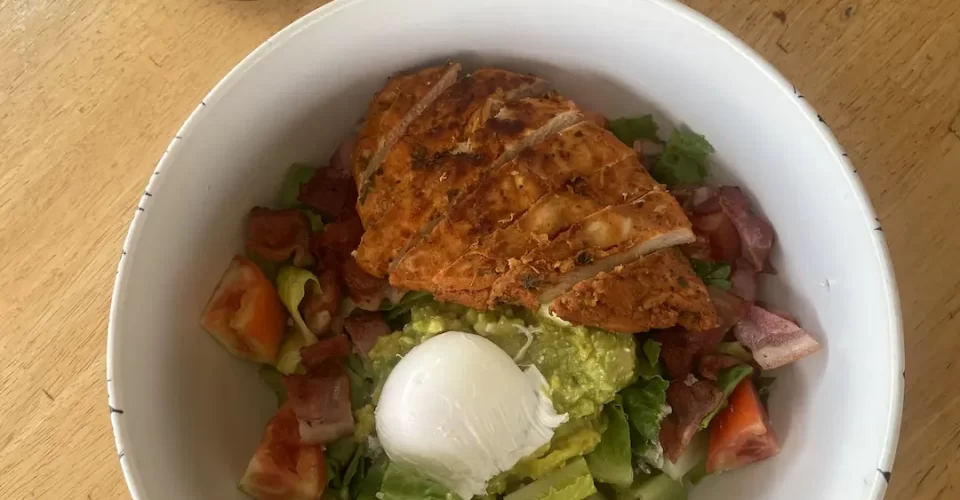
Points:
(91, 93)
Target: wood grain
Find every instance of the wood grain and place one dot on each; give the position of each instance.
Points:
(91, 92)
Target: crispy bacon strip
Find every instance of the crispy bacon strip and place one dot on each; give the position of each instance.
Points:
(321, 401)
(275, 235)
(365, 329)
(773, 340)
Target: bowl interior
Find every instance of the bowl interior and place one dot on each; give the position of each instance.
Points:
(192, 415)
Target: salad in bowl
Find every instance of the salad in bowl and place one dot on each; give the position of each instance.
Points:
(492, 292)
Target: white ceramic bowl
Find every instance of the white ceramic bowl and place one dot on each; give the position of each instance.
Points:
(187, 415)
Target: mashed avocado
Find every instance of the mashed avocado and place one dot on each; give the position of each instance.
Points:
(584, 367)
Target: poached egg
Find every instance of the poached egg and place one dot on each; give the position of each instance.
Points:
(458, 410)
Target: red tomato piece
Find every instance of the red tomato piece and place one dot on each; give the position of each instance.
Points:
(245, 313)
(282, 468)
(741, 433)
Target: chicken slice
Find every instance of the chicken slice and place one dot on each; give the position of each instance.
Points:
(392, 110)
(469, 280)
(440, 182)
(612, 237)
(444, 128)
(657, 291)
(568, 158)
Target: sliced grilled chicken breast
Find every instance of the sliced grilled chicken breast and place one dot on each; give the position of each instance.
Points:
(391, 111)
(659, 290)
(470, 279)
(612, 237)
(565, 160)
(444, 129)
(437, 183)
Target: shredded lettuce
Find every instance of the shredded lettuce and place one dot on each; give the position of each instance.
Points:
(399, 484)
(629, 130)
(715, 274)
(291, 285)
(274, 381)
(611, 461)
(684, 159)
(572, 482)
(297, 175)
(727, 380)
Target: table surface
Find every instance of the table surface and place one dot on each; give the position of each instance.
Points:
(91, 93)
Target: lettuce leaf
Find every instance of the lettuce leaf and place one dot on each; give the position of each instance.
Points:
(291, 285)
(572, 482)
(288, 359)
(611, 461)
(297, 175)
(369, 484)
(629, 130)
(715, 274)
(727, 380)
(399, 484)
(645, 404)
(648, 365)
(406, 303)
(735, 349)
(684, 159)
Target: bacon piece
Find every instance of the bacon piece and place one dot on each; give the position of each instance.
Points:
(680, 349)
(332, 348)
(321, 401)
(756, 233)
(711, 364)
(329, 192)
(338, 238)
(365, 329)
(365, 289)
(743, 282)
(321, 303)
(691, 401)
(773, 340)
(275, 235)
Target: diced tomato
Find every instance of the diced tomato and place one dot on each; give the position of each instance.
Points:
(275, 235)
(282, 468)
(741, 433)
(336, 347)
(321, 302)
(722, 234)
(245, 313)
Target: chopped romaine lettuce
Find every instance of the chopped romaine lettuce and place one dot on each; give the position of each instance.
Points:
(369, 484)
(684, 159)
(648, 366)
(645, 404)
(659, 487)
(291, 285)
(399, 484)
(406, 303)
(736, 350)
(288, 359)
(727, 380)
(572, 482)
(297, 175)
(629, 130)
(715, 274)
(361, 381)
(611, 461)
(274, 381)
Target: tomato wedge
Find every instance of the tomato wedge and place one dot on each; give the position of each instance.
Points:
(741, 433)
(245, 313)
(282, 468)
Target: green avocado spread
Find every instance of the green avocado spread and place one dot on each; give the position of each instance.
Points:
(584, 367)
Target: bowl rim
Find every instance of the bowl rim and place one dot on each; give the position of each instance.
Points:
(318, 15)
